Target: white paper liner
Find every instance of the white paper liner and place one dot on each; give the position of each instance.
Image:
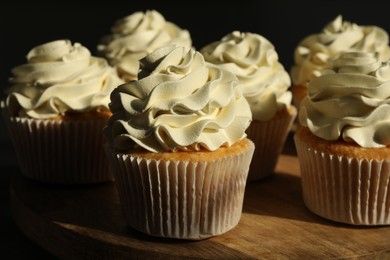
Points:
(61, 152)
(342, 189)
(269, 138)
(181, 199)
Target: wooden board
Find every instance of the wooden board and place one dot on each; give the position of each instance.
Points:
(87, 222)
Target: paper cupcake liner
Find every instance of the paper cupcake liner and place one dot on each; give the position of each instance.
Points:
(62, 152)
(269, 138)
(342, 189)
(181, 199)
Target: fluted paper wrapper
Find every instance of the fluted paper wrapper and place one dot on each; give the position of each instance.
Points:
(269, 138)
(181, 199)
(342, 189)
(61, 152)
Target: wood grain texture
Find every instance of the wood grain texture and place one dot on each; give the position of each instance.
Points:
(87, 222)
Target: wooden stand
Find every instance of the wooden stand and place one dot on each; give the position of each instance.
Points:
(87, 222)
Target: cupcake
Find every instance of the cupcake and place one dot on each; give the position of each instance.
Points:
(343, 142)
(316, 52)
(55, 110)
(137, 35)
(177, 145)
(264, 83)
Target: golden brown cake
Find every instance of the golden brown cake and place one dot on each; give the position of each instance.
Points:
(299, 92)
(202, 155)
(340, 147)
(98, 113)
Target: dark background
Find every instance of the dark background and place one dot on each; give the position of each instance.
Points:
(284, 23)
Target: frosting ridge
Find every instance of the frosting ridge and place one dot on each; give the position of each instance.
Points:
(59, 77)
(351, 101)
(179, 102)
(253, 59)
(135, 36)
(317, 52)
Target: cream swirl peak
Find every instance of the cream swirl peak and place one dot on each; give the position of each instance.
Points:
(253, 59)
(351, 101)
(180, 102)
(135, 36)
(316, 52)
(60, 77)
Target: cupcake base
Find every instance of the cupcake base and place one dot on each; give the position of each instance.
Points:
(342, 188)
(187, 198)
(269, 138)
(60, 151)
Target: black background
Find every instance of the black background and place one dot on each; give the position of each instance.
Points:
(284, 23)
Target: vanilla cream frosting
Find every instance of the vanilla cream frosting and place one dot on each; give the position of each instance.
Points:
(253, 59)
(351, 101)
(316, 52)
(135, 36)
(179, 102)
(60, 77)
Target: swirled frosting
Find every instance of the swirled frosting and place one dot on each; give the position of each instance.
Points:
(253, 59)
(135, 36)
(316, 52)
(179, 102)
(351, 101)
(60, 77)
